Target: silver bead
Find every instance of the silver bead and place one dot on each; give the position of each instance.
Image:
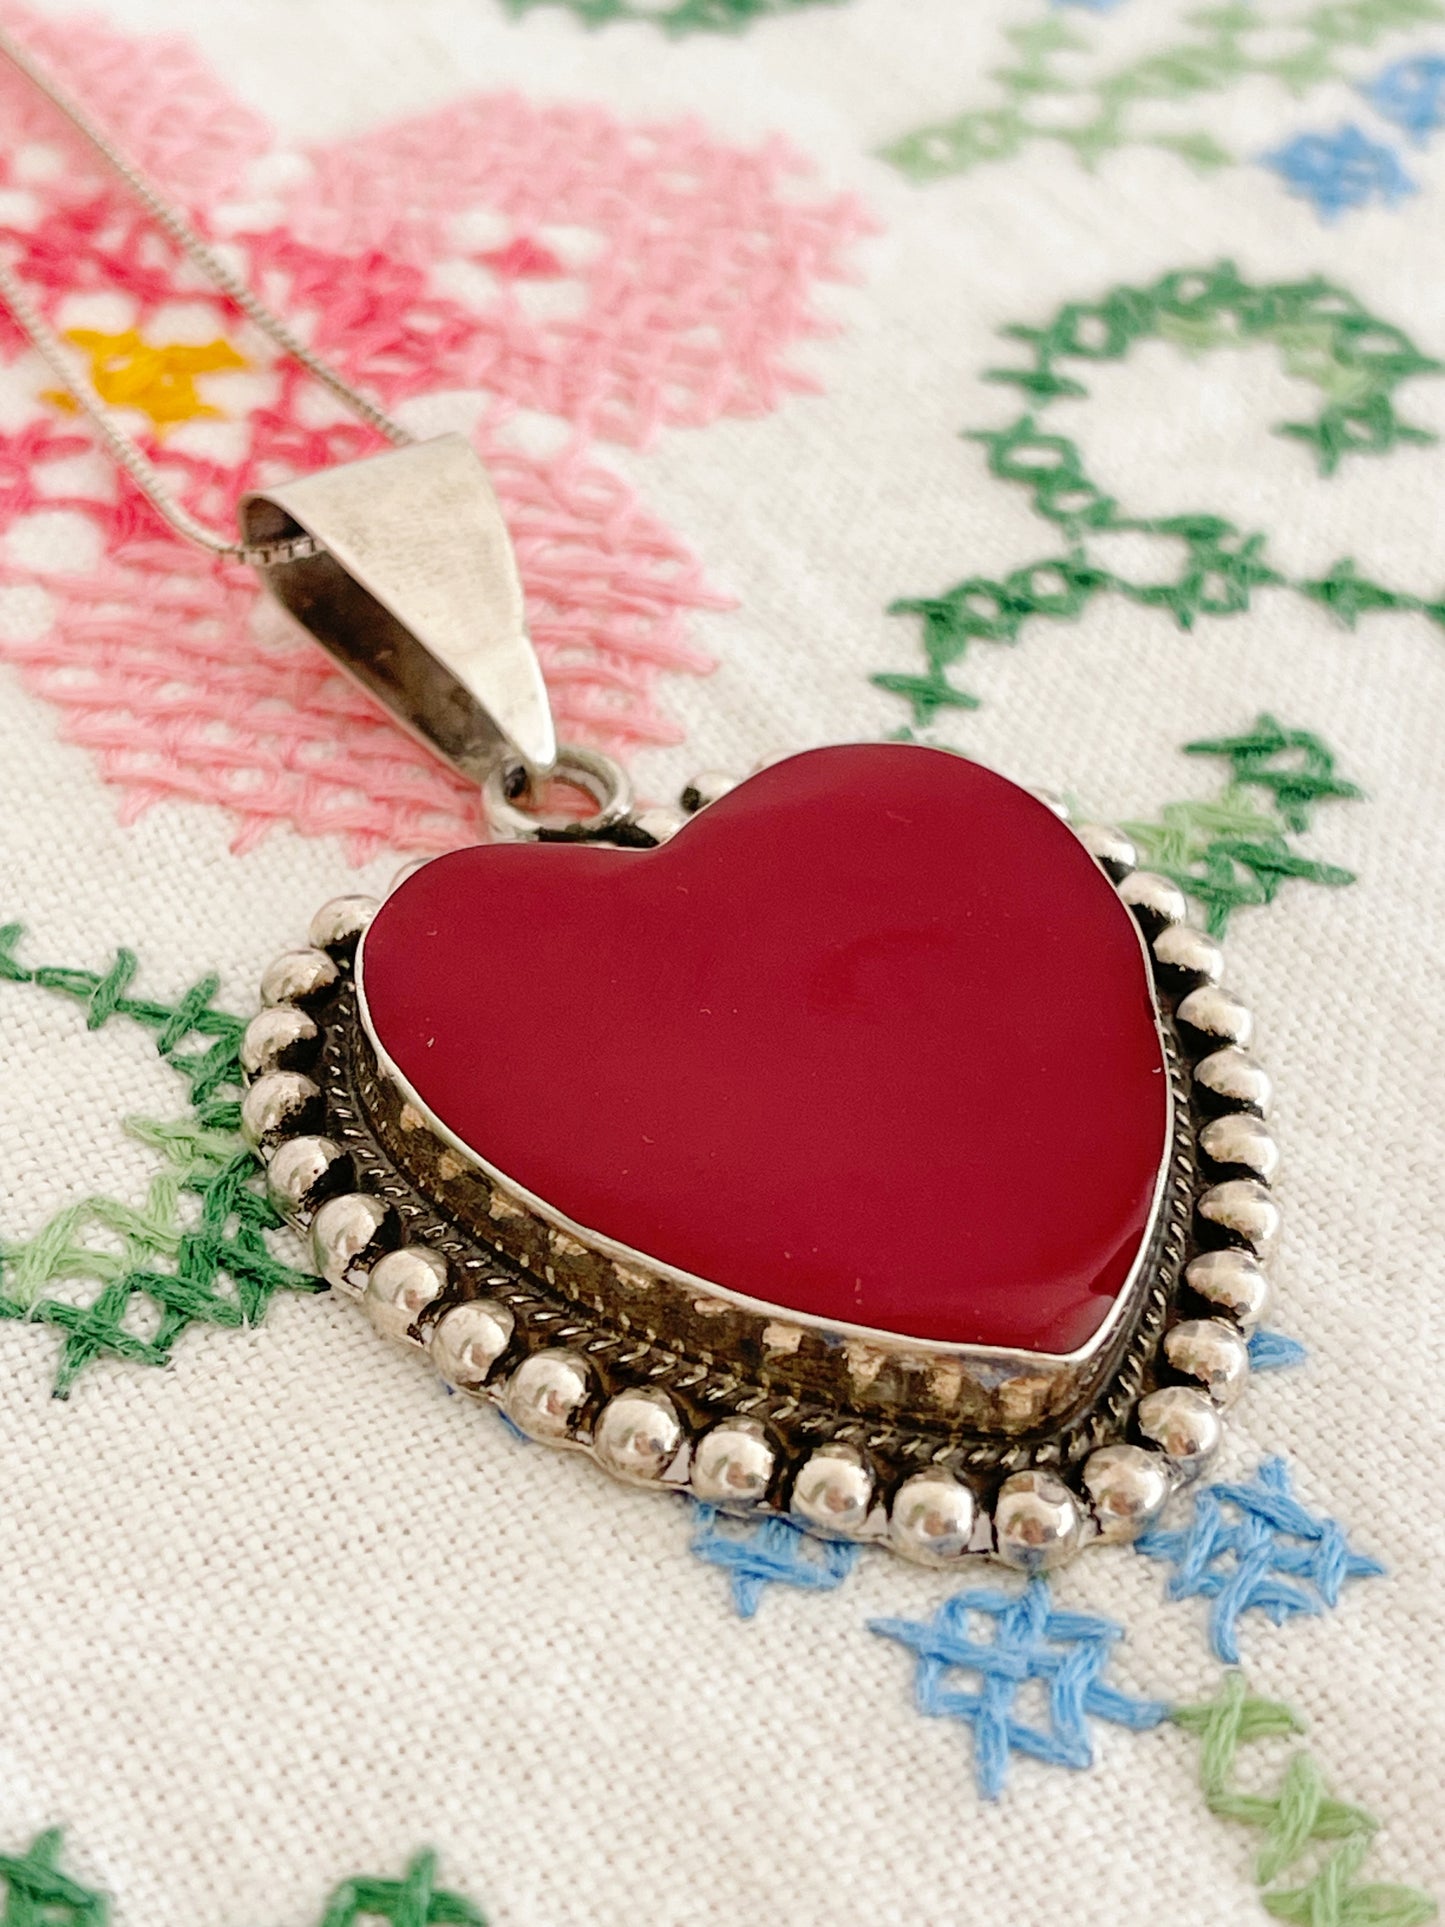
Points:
(467, 1341)
(1184, 1424)
(1212, 1353)
(280, 1039)
(1230, 1078)
(1108, 847)
(1128, 1488)
(660, 822)
(733, 1463)
(280, 1104)
(1052, 800)
(302, 1170)
(834, 1491)
(706, 787)
(547, 1395)
(401, 1286)
(1244, 1208)
(343, 1233)
(1037, 1522)
(298, 977)
(1154, 900)
(337, 926)
(1238, 1138)
(932, 1518)
(637, 1436)
(1188, 953)
(1231, 1281)
(1217, 1016)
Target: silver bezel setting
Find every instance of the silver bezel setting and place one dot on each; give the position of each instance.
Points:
(999, 1444)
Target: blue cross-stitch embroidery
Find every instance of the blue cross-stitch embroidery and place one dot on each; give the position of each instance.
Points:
(766, 1552)
(1256, 1548)
(1342, 170)
(1272, 1352)
(1030, 1640)
(1090, 6)
(1411, 93)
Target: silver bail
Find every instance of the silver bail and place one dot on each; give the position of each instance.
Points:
(415, 592)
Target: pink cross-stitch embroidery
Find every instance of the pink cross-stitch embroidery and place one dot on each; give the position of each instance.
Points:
(543, 277)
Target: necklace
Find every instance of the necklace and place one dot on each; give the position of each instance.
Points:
(859, 1143)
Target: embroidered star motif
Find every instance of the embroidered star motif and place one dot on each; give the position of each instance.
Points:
(758, 1553)
(127, 372)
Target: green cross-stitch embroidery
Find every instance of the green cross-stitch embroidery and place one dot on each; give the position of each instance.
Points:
(678, 17)
(1354, 359)
(1299, 1819)
(38, 1894)
(1228, 852)
(194, 1250)
(1216, 49)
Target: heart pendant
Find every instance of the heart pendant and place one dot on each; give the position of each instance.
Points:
(876, 1149)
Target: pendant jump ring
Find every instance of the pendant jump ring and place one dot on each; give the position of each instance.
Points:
(507, 787)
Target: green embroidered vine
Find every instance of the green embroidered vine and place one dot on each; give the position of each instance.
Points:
(194, 1251)
(1321, 332)
(38, 1894)
(1217, 48)
(1229, 852)
(680, 17)
(1305, 1830)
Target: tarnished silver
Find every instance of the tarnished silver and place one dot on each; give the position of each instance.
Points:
(1217, 1017)
(1189, 953)
(298, 977)
(772, 1415)
(346, 1236)
(414, 590)
(1037, 1522)
(337, 926)
(1154, 900)
(638, 1435)
(708, 786)
(1232, 1282)
(932, 1518)
(604, 780)
(1245, 1211)
(1184, 1424)
(279, 1104)
(1231, 1078)
(733, 1463)
(400, 1286)
(833, 1492)
(1108, 846)
(1240, 1140)
(301, 1172)
(660, 822)
(279, 1039)
(1212, 1353)
(1127, 1487)
(467, 1341)
(547, 1395)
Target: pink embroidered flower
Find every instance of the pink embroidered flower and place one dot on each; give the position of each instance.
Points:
(540, 276)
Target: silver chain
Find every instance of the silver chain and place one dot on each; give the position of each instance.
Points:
(67, 371)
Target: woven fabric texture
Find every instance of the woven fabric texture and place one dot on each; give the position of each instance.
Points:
(721, 305)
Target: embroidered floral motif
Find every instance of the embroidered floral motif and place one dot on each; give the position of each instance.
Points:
(558, 276)
(1228, 852)
(1342, 170)
(1411, 93)
(160, 383)
(1355, 359)
(1216, 50)
(1028, 1639)
(680, 17)
(124, 1280)
(758, 1553)
(1301, 1818)
(1255, 1548)
(39, 1894)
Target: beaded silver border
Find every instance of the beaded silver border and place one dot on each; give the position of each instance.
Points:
(651, 1416)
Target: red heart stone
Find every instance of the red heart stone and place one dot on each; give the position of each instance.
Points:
(872, 1039)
